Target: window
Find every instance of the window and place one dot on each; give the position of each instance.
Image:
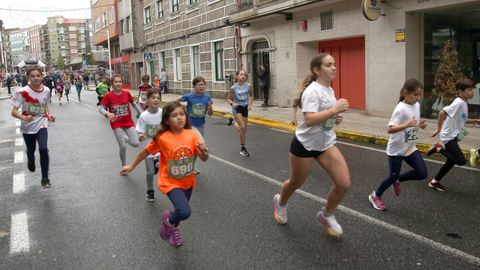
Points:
(127, 24)
(160, 9)
(61, 30)
(191, 2)
(63, 53)
(73, 51)
(195, 61)
(326, 20)
(121, 27)
(112, 15)
(72, 28)
(96, 25)
(73, 44)
(104, 19)
(73, 36)
(218, 52)
(163, 61)
(177, 65)
(82, 45)
(82, 38)
(146, 16)
(174, 5)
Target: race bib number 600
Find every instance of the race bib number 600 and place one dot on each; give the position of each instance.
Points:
(36, 109)
(178, 169)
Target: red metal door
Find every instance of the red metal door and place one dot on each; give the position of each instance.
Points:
(349, 55)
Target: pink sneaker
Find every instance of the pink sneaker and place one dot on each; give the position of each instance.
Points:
(176, 237)
(376, 202)
(396, 188)
(165, 227)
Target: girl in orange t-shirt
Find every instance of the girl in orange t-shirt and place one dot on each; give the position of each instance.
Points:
(178, 146)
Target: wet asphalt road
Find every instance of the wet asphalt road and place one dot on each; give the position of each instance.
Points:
(93, 218)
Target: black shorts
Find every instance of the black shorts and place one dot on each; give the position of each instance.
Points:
(297, 149)
(243, 110)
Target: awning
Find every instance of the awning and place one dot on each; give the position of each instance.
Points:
(24, 63)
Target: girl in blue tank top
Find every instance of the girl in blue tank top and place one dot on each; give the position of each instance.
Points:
(240, 97)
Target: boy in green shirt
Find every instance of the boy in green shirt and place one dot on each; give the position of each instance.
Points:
(102, 89)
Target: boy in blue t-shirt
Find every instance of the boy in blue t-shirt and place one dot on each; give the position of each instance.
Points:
(198, 104)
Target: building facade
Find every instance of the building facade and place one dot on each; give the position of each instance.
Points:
(374, 58)
(18, 45)
(189, 38)
(35, 42)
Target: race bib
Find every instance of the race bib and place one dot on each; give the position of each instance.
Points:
(411, 134)
(462, 134)
(36, 109)
(151, 130)
(198, 110)
(120, 110)
(143, 96)
(178, 169)
(330, 123)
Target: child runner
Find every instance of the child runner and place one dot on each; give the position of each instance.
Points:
(59, 90)
(102, 89)
(156, 81)
(142, 91)
(314, 140)
(147, 125)
(451, 126)
(403, 127)
(177, 144)
(33, 101)
(199, 104)
(67, 85)
(115, 106)
(474, 154)
(78, 86)
(240, 97)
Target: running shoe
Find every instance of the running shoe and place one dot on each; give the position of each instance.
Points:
(473, 157)
(376, 201)
(396, 188)
(244, 152)
(150, 195)
(434, 149)
(46, 183)
(176, 237)
(31, 165)
(230, 121)
(279, 212)
(330, 224)
(165, 227)
(436, 185)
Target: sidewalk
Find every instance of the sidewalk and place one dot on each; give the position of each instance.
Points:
(356, 125)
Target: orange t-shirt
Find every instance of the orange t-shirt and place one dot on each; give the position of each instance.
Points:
(177, 159)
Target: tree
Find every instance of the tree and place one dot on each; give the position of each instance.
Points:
(60, 64)
(90, 59)
(448, 73)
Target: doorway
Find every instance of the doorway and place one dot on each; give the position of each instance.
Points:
(260, 56)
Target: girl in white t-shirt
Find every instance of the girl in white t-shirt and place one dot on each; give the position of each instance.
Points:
(314, 140)
(403, 127)
(33, 101)
(451, 126)
(147, 126)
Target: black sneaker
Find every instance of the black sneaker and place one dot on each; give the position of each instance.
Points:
(436, 186)
(46, 183)
(434, 149)
(230, 121)
(244, 152)
(150, 195)
(31, 165)
(156, 163)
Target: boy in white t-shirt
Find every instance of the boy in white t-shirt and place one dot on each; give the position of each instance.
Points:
(33, 101)
(451, 126)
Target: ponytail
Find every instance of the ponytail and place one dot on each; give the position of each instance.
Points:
(297, 101)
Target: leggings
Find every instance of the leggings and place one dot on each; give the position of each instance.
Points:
(124, 136)
(31, 142)
(150, 166)
(180, 199)
(454, 156)
(415, 161)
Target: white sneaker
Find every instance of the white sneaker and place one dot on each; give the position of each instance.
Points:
(330, 224)
(279, 212)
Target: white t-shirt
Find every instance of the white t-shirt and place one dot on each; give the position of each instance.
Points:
(32, 102)
(148, 123)
(317, 98)
(404, 142)
(457, 114)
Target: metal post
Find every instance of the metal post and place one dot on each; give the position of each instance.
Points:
(109, 56)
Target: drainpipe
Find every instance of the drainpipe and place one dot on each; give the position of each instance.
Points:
(239, 40)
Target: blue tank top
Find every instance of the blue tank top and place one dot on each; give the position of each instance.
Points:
(240, 96)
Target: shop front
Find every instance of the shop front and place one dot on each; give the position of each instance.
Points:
(121, 66)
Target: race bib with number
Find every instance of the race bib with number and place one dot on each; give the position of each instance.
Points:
(462, 134)
(330, 123)
(198, 110)
(120, 110)
(143, 96)
(178, 169)
(151, 130)
(411, 134)
(36, 109)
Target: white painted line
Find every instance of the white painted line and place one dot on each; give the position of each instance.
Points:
(18, 141)
(17, 131)
(19, 236)
(17, 123)
(18, 158)
(402, 232)
(18, 183)
(84, 104)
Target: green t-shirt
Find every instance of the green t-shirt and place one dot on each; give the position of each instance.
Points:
(102, 88)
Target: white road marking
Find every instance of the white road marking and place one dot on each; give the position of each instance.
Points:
(84, 104)
(18, 157)
(19, 236)
(402, 232)
(17, 131)
(18, 183)
(17, 123)
(18, 141)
